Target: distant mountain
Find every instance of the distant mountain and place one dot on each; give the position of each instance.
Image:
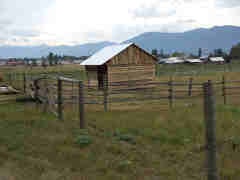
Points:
(38, 51)
(208, 39)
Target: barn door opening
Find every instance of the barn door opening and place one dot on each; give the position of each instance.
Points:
(102, 77)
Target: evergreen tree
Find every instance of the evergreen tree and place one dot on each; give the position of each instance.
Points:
(50, 58)
(199, 52)
(161, 53)
(155, 52)
(235, 52)
(178, 54)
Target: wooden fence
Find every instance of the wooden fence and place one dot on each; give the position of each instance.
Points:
(56, 94)
(168, 92)
(54, 90)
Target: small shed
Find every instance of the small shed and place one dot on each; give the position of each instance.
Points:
(217, 59)
(172, 60)
(119, 63)
(193, 61)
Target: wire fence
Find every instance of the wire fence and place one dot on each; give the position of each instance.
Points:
(60, 94)
(65, 97)
(195, 69)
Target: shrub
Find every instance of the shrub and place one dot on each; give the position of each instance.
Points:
(1, 78)
(124, 165)
(127, 138)
(84, 140)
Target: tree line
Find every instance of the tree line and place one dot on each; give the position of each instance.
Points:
(52, 59)
(233, 54)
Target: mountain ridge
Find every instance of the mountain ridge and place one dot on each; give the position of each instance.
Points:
(223, 37)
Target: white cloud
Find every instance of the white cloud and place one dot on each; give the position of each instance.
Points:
(29, 22)
(228, 3)
(22, 19)
(154, 10)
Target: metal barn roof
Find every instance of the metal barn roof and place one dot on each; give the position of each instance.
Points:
(105, 54)
(217, 59)
(172, 60)
(193, 60)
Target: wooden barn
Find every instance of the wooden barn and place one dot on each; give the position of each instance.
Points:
(119, 63)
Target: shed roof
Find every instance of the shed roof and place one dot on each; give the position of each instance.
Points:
(193, 60)
(217, 59)
(105, 54)
(172, 60)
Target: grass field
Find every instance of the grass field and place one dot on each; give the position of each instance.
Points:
(196, 69)
(144, 143)
(137, 140)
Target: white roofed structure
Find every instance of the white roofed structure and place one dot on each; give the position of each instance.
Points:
(105, 54)
(119, 63)
(193, 60)
(172, 60)
(216, 59)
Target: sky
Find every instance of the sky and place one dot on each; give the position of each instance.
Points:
(71, 22)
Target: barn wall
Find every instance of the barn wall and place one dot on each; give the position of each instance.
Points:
(131, 64)
(92, 75)
(132, 56)
(131, 72)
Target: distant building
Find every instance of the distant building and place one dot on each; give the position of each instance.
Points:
(193, 61)
(171, 60)
(64, 62)
(3, 62)
(204, 58)
(78, 61)
(39, 62)
(216, 59)
(15, 62)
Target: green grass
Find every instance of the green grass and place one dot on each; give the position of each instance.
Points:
(138, 140)
(144, 143)
(196, 69)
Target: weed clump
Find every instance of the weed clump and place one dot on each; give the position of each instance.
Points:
(83, 139)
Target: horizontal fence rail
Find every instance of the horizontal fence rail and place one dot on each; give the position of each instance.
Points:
(56, 92)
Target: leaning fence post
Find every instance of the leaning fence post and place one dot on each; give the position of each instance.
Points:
(35, 89)
(46, 100)
(24, 82)
(72, 92)
(81, 105)
(9, 77)
(105, 100)
(210, 130)
(190, 87)
(224, 91)
(170, 91)
(60, 100)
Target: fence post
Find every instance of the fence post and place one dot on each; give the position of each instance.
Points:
(72, 93)
(60, 100)
(46, 101)
(190, 87)
(224, 91)
(170, 91)
(105, 100)
(35, 88)
(24, 83)
(10, 79)
(81, 105)
(210, 130)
